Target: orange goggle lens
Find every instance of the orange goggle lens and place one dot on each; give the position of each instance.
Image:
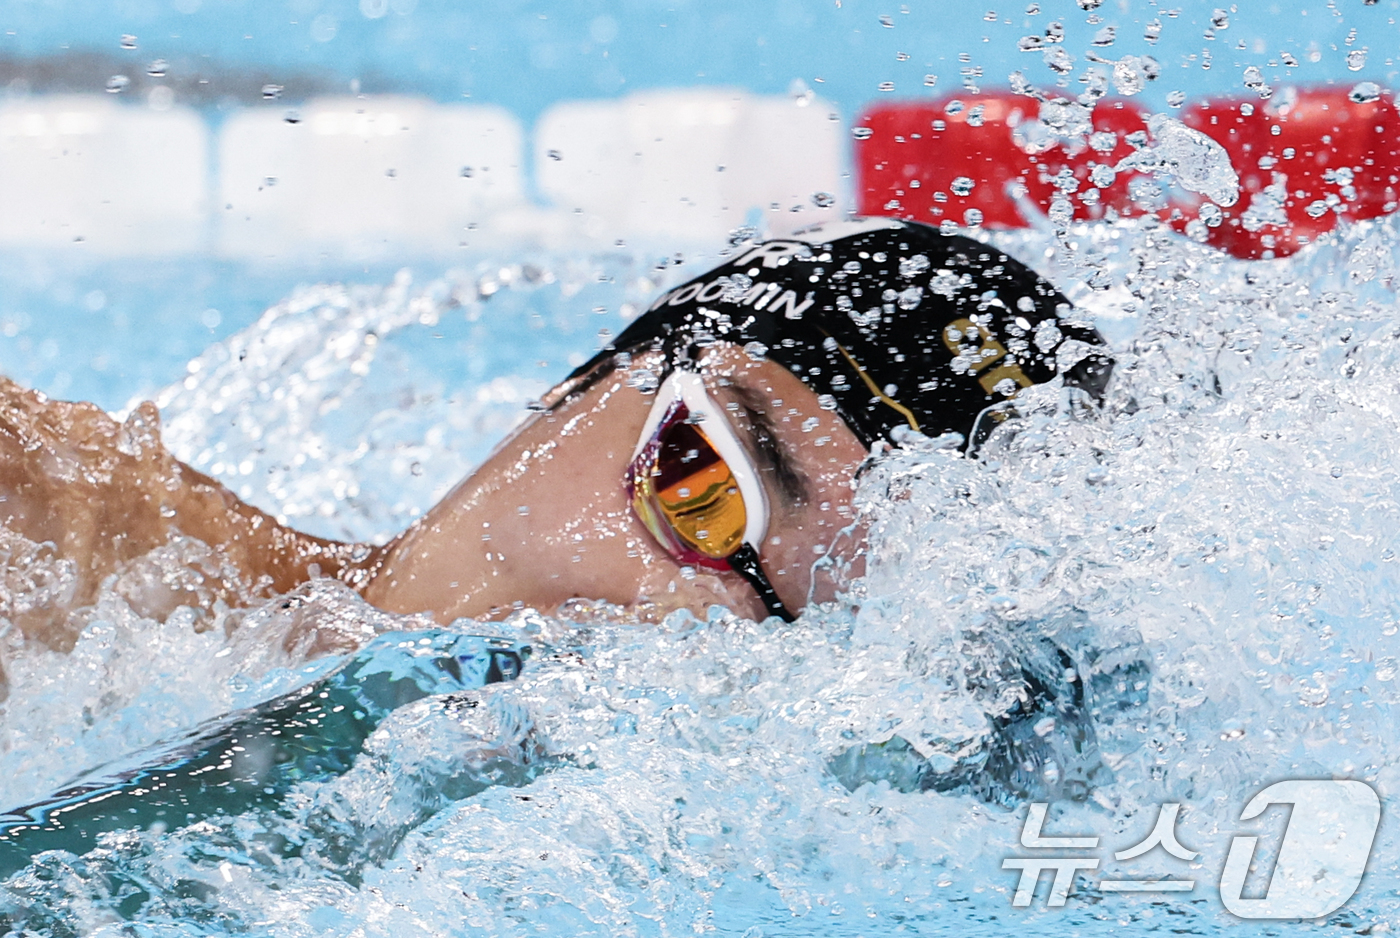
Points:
(686, 494)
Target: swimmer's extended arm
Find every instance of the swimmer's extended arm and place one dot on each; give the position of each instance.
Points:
(105, 493)
(256, 543)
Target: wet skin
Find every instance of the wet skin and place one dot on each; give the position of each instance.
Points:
(104, 494)
(546, 519)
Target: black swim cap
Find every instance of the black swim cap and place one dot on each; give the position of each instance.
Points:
(892, 323)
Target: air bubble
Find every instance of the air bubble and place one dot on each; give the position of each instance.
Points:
(128, 41)
(117, 84)
(963, 185)
(823, 199)
(1356, 60)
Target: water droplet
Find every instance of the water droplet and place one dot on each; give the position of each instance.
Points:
(1030, 43)
(1365, 92)
(901, 56)
(522, 510)
(823, 199)
(930, 81)
(1356, 60)
(1090, 4)
(117, 84)
(1220, 19)
(886, 86)
(1105, 36)
(1059, 61)
(1152, 31)
(158, 68)
(963, 185)
(887, 21)
(128, 41)
(292, 117)
(554, 155)
(972, 217)
(861, 133)
(1176, 98)
(271, 92)
(466, 172)
(1288, 60)
(1254, 81)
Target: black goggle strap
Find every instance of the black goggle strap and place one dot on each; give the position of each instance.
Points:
(744, 562)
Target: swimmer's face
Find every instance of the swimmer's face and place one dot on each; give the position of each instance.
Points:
(548, 519)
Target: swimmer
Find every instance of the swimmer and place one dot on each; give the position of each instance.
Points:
(707, 456)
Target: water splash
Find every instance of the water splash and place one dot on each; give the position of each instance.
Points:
(1178, 597)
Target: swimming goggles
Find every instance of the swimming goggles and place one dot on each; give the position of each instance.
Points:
(694, 487)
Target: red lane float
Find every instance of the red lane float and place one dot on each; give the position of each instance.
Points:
(1303, 162)
(941, 161)
(1304, 159)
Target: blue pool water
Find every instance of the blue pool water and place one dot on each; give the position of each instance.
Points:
(1211, 559)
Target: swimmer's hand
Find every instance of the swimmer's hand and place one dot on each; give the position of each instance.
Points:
(105, 493)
